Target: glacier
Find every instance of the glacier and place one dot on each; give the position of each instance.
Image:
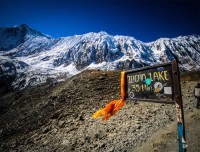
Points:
(29, 57)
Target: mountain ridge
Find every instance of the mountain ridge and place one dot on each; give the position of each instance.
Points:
(38, 57)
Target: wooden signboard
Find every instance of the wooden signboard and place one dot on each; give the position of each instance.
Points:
(159, 83)
(153, 83)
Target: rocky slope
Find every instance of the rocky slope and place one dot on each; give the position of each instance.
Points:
(38, 58)
(58, 118)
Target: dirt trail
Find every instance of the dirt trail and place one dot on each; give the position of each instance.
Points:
(58, 118)
(164, 140)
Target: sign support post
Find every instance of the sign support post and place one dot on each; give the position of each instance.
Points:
(179, 107)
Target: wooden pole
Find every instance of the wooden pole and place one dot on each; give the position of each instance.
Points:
(179, 107)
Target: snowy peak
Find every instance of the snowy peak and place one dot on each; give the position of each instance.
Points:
(185, 48)
(14, 36)
(26, 30)
(36, 58)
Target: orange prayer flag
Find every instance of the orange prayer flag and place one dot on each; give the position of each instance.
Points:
(114, 105)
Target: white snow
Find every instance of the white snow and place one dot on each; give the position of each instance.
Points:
(70, 68)
(59, 58)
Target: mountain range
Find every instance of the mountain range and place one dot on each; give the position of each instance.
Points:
(29, 57)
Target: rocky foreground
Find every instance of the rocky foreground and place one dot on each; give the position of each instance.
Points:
(57, 117)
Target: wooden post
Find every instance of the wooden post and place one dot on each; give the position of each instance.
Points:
(179, 107)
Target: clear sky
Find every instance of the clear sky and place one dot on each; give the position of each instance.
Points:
(146, 20)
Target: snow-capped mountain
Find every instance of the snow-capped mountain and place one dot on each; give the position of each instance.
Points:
(29, 57)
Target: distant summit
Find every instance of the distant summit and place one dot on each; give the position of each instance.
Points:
(14, 36)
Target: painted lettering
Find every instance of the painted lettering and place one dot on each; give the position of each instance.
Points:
(130, 79)
(143, 77)
(160, 75)
(165, 75)
(155, 76)
(137, 78)
(150, 76)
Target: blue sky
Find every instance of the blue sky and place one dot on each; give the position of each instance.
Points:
(143, 19)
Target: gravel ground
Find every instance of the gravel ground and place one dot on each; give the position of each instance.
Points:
(58, 118)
